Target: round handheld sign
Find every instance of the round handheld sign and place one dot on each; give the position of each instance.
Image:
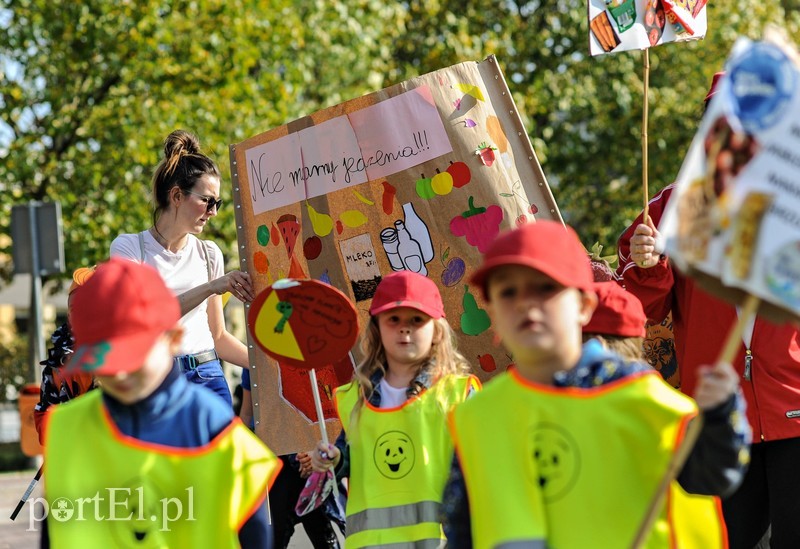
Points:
(304, 323)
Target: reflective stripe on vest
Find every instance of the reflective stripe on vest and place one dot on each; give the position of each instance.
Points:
(565, 457)
(391, 517)
(159, 496)
(399, 463)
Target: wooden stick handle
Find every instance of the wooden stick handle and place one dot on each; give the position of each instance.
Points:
(645, 162)
(321, 418)
(734, 339)
(318, 403)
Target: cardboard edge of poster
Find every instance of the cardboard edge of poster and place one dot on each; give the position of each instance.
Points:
(509, 117)
(243, 266)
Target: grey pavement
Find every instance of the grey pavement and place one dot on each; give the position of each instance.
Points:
(19, 535)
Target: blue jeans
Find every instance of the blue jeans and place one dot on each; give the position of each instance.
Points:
(208, 374)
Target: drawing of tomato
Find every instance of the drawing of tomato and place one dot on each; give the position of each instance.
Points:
(479, 225)
(486, 152)
(487, 363)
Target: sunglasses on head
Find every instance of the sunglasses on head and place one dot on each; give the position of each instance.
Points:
(209, 200)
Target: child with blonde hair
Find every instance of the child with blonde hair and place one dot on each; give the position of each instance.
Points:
(394, 446)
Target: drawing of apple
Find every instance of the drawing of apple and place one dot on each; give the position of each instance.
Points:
(424, 188)
(442, 183)
(486, 152)
(312, 247)
(454, 269)
(461, 174)
(487, 363)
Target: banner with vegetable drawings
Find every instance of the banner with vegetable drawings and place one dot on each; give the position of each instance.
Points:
(620, 25)
(419, 176)
(734, 219)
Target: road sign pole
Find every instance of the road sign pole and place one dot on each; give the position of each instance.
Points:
(35, 334)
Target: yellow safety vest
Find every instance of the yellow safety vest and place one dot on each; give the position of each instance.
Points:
(573, 468)
(106, 489)
(399, 463)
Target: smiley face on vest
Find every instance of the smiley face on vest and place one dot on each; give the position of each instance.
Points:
(394, 454)
(553, 460)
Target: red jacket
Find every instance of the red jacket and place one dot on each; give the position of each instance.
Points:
(701, 323)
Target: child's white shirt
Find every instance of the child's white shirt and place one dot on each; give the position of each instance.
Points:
(392, 397)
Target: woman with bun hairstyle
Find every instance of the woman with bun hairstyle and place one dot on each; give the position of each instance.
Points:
(186, 194)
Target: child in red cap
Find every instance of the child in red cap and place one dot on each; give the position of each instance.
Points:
(148, 459)
(394, 445)
(618, 321)
(569, 447)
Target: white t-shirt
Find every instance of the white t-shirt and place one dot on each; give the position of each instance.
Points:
(181, 272)
(392, 397)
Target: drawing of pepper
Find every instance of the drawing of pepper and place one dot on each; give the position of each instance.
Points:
(388, 197)
(479, 225)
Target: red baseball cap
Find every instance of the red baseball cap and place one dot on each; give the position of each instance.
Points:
(407, 289)
(547, 246)
(618, 313)
(117, 315)
(715, 80)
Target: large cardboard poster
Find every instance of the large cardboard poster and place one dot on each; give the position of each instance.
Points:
(419, 176)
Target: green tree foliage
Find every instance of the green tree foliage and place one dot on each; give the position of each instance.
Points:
(89, 89)
(584, 114)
